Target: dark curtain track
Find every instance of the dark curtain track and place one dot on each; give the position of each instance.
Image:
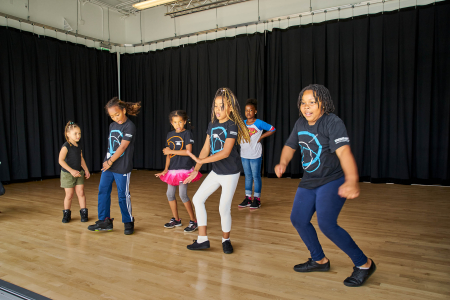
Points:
(388, 75)
(45, 82)
(187, 78)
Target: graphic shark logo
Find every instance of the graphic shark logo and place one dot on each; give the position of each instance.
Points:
(310, 158)
(173, 142)
(115, 139)
(218, 137)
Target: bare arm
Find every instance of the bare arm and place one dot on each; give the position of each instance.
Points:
(108, 163)
(167, 151)
(84, 166)
(286, 157)
(350, 188)
(266, 134)
(203, 154)
(62, 157)
(228, 146)
(166, 169)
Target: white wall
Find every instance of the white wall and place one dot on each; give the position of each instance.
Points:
(53, 12)
(156, 26)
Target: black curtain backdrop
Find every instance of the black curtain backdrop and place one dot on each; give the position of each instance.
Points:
(389, 76)
(45, 82)
(187, 78)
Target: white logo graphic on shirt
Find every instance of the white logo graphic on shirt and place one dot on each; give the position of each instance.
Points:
(192, 141)
(128, 135)
(342, 140)
(233, 132)
(178, 143)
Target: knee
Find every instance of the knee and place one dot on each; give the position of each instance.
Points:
(298, 222)
(170, 196)
(197, 201)
(224, 210)
(80, 193)
(184, 198)
(327, 227)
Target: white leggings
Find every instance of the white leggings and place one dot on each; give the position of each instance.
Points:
(211, 183)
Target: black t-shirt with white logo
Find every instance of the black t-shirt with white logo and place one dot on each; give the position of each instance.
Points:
(318, 144)
(179, 141)
(218, 133)
(73, 157)
(117, 133)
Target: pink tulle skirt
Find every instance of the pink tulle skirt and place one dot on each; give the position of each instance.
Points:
(173, 177)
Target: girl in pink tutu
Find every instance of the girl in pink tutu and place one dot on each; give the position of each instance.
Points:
(178, 167)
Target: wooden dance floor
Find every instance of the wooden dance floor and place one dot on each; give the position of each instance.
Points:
(405, 229)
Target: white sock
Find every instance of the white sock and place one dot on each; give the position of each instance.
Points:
(202, 239)
(223, 240)
(364, 268)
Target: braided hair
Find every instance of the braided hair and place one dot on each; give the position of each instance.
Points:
(230, 99)
(69, 126)
(321, 95)
(180, 113)
(131, 107)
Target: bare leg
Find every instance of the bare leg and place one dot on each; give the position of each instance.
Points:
(81, 197)
(68, 198)
(190, 211)
(173, 207)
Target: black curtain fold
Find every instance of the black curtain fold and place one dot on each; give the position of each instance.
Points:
(389, 78)
(45, 82)
(187, 77)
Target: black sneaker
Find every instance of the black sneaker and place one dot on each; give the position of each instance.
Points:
(227, 247)
(312, 266)
(84, 214)
(197, 246)
(192, 227)
(246, 203)
(129, 228)
(102, 225)
(256, 203)
(173, 223)
(67, 216)
(359, 276)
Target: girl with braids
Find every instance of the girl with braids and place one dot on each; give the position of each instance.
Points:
(178, 167)
(73, 171)
(225, 131)
(251, 154)
(117, 165)
(330, 177)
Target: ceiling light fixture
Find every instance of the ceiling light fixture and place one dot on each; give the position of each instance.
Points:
(150, 3)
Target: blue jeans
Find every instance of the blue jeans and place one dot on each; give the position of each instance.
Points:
(104, 195)
(252, 170)
(328, 204)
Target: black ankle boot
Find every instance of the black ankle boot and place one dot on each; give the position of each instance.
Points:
(67, 216)
(84, 214)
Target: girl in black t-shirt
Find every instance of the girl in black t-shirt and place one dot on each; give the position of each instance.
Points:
(330, 177)
(73, 171)
(178, 167)
(225, 131)
(117, 166)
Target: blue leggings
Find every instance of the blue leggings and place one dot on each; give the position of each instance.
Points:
(328, 204)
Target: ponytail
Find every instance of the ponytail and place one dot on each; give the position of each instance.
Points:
(132, 108)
